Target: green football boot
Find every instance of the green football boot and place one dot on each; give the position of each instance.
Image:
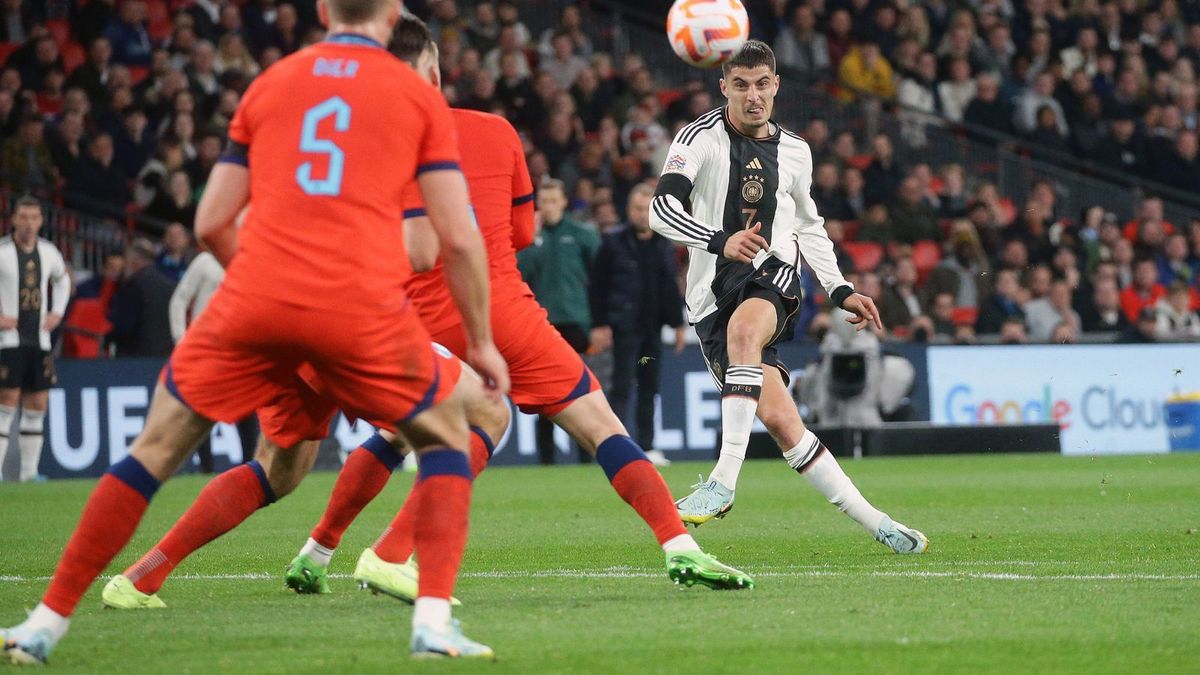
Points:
(120, 593)
(398, 580)
(305, 576)
(697, 567)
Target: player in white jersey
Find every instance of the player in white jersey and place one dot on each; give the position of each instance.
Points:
(735, 190)
(32, 275)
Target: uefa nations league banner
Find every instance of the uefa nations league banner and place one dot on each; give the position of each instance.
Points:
(1106, 398)
(99, 407)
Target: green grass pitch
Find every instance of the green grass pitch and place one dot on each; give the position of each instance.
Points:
(1037, 564)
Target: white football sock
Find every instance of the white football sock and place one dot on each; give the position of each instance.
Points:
(680, 543)
(30, 442)
(316, 552)
(7, 413)
(44, 617)
(739, 402)
(818, 465)
(432, 612)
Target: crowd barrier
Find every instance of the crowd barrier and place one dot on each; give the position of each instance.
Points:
(1105, 399)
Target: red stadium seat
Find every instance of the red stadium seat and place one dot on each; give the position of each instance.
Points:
(849, 230)
(926, 256)
(73, 56)
(860, 162)
(138, 73)
(158, 17)
(61, 30)
(6, 50)
(964, 316)
(866, 254)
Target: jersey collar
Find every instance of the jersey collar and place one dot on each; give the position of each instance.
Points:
(770, 123)
(353, 39)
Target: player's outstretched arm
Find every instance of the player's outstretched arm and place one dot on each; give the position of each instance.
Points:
(446, 200)
(227, 192)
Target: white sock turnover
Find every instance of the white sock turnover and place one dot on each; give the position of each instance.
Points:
(316, 552)
(432, 612)
(812, 460)
(739, 402)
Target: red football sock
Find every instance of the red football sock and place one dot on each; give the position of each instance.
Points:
(109, 519)
(361, 479)
(443, 504)
(222, 505)
(640, 485)
(396, 543)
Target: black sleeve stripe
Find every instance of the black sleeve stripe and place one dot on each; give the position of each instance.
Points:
(675, 220)
(414, 213)
(703, 119)
(236, 153)
(523, 199)
(691, 135)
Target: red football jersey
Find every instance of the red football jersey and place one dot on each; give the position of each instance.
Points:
(493, 162)
(334, 135)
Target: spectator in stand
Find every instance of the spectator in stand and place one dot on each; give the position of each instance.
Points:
(941, 322)
(1012, 331)
(127, 34)
(853, 187)
(557, 268)
(66, 144)
(1145, 291)
(1003, 305)
(26, 163)
(1065, 333)
(899, 303)
(963, 274)
(912, 219)
(633, 295)
(1043, 315)
(957, 93)
(883, 175)
(570, 22)
(93, 75)
(172, 261)
(1047, 139)
(1176, 320)
(802, 48)
(104, 284)
(1083, 56)
(97, 184)
(1039, 95)
(864, 71)
(1175, 263)
(1103, 314)
(139, 313)
(1122, 149)
(133, 144)
(918, 99)
(829, 197)
(835, 230)
(1180, 167)
(989, 109)
(1145, 331)
(562, 63)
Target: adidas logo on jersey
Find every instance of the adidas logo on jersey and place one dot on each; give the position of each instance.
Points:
(754, 164)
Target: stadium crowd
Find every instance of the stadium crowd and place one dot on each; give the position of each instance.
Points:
(119, 108)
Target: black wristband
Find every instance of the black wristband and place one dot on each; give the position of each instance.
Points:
(840, 294)
(716, 243)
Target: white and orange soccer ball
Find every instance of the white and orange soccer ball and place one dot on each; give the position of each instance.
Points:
(706, 33)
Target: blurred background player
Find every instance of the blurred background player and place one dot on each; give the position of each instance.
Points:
(556, 265)
(735, 167)
(309, 126)
(634, 293)
(548, 376)
(32, 275)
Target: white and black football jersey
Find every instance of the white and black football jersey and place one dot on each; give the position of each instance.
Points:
(716, 182)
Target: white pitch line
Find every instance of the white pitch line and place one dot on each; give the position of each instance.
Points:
(624, 573)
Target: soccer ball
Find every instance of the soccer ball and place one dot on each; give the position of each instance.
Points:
(706, 33)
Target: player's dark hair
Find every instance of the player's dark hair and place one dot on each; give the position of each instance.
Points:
(410, 39)
(753, 53)
(355, 11)
(27, 200)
